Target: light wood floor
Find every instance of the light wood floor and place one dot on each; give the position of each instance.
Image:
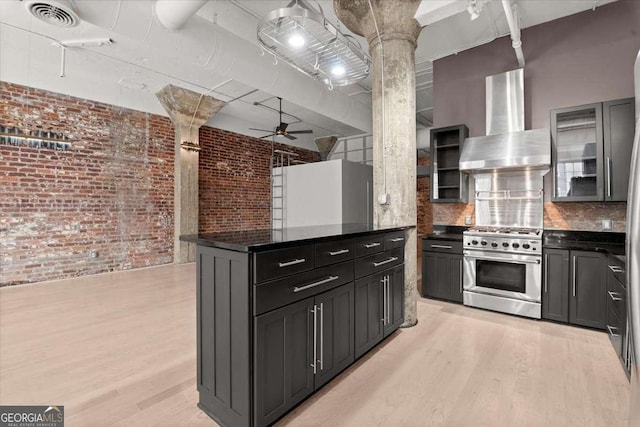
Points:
(119, 349)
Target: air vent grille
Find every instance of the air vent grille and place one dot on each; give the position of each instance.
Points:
(53, 13)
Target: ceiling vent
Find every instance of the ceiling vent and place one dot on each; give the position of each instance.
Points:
(56, 13)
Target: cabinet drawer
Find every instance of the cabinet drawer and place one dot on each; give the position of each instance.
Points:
(617, 297)
(446, 246)
(616, 269)
(616, 330)
(394, 240)
(378, 262)
(272, 295)
(282, 262)
(369, 245)
(327, 253)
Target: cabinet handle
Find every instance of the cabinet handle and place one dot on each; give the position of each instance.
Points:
(397, 239)
(387, 300)
(294, 262)
(442, 246)
(315, 338)
(321, 336)
(613, 296)
(610, 329)
(384, 299)
(616, 269)
(372, 245)
(311, 285)
(609, 176)
(386, 261)
(340, 252)
(574, 275)
(460, 276)
(546, 272)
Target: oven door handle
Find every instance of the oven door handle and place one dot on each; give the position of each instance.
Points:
(513, 261)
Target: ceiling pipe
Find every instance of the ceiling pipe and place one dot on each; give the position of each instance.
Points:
(510, 11)
(173, 14)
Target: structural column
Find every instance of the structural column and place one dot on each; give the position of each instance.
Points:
(392, 32)
(188, 111)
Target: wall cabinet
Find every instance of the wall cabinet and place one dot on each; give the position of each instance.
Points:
(592, 150)
(575, 287)
(448, 184)
(442, 269)
(278, 322)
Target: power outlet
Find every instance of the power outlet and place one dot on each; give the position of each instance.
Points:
(607, 225)
(383, 199)
(467, 220)
(94, 254)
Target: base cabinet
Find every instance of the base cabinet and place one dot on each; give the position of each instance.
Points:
(442, 269)
(580, 279)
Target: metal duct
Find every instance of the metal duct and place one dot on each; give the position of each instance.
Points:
(227, 56)
(173, 14)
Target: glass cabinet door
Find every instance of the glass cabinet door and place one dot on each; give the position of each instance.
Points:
(577, 152)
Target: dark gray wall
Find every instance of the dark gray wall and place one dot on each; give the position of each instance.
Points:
(583, 58)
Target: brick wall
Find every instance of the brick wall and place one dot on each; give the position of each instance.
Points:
(111, 192)
(424, 205)
(234, 180)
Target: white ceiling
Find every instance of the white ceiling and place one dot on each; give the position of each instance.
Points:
(216, 52)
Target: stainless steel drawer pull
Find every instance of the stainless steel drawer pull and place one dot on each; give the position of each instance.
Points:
(372, 245)
(610, 329)
(442, 246)
(311, 285)
(340, 252)
(616, 269)
(614, 296)
(294, 262)
(386, 261)
(397, 239)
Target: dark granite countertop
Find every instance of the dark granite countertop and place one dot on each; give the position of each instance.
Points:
(608, 242)
(263, 240)
(446, 232)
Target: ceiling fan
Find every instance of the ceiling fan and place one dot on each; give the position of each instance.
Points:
(281, 129)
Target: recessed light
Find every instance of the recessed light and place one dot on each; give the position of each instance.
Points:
(296, 40)
(338, 70)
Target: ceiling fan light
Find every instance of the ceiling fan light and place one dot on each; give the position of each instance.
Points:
(296, 40)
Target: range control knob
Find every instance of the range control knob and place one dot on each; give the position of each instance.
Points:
(505, 244)
(526, 246)
(494, 245)
(483, 243)
(516, 245)
(475, 242)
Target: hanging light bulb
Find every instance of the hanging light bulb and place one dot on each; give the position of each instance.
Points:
(338, 70)
(296, 40)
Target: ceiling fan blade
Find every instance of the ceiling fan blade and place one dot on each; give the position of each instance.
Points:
(267, 136)
(261, 130)
(286, 135)
(300, 131)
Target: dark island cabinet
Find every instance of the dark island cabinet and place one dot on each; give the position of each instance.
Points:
(276, 321)
(575, 287)
(555, 290)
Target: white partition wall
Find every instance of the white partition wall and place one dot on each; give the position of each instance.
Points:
(330, 192)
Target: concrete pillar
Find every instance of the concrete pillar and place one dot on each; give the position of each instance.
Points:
(392, 48)
(188, 111)
(325, 145)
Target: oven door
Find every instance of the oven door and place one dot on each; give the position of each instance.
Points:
(506, 275)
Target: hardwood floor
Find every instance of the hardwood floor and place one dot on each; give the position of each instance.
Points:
(119, 349)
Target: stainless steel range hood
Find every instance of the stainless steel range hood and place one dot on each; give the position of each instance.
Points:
(507, 145)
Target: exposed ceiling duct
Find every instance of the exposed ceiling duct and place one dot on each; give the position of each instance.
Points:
(59, 13)
(511, 13)
(173, 14)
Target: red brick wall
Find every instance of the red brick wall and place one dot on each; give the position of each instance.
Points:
(112, 192)
(425, 210)
(234, 180)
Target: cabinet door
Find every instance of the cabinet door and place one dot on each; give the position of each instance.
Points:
(555, 290)
(283, 350)
(434, 270)
(587, 301)
(335, 343)
(619, 123)
(394, 299)
(368, 313)
(577, 150)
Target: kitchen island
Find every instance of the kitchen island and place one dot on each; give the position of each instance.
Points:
(281, 312)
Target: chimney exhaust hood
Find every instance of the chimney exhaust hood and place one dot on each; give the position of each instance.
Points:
(507, 145)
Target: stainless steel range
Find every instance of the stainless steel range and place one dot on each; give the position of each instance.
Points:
(503, 270)
(502, 265)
